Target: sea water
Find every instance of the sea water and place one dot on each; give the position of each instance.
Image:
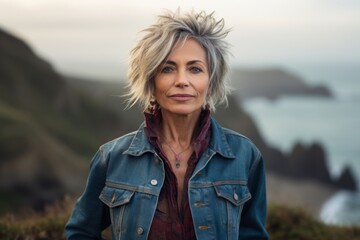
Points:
(332, 122)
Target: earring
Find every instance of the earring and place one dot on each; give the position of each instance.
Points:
(153, 105)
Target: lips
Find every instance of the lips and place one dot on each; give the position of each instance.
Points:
(181, 97)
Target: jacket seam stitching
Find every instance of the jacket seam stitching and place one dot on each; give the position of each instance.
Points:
(131, 188)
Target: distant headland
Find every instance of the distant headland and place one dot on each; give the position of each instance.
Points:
(272, 83)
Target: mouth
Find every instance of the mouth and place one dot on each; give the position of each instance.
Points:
(181, 97)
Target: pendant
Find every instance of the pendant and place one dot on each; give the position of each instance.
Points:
(177, 160)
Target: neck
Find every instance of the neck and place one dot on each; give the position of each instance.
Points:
(179, 129)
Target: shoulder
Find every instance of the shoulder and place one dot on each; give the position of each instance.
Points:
(233, 134)
(118, 146)
(230, 136)
(239, 140)
(120, 143)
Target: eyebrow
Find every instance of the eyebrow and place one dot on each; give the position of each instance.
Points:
(188, 63)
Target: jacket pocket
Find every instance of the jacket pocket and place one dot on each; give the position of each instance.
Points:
(236, 194)
(116, 199)
(232, 198)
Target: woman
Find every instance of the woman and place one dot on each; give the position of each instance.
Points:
(180, 175)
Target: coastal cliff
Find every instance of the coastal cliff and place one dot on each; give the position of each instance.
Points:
(51, 125)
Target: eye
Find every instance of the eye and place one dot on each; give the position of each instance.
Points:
(195, 69)
(166, 69)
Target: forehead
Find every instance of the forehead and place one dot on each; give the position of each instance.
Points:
(189, 49)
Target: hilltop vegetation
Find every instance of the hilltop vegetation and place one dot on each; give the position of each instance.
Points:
(284, 223)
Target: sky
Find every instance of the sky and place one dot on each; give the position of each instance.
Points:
(93, 38)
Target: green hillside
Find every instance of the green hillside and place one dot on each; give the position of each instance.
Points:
(48, 130)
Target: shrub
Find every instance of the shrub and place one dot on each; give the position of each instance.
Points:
(296, 224)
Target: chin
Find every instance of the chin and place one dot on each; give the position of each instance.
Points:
(183, 110)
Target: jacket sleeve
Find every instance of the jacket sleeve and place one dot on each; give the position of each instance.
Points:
(90, 216)
(253, 219)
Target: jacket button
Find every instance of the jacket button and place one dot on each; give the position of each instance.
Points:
(157, 160)
(236, 197)
(140, 230)
(153, 182)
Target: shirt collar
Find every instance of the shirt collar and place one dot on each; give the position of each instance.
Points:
(141, 141)
(153, 121)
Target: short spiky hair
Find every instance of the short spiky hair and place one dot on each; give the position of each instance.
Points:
(154, 47)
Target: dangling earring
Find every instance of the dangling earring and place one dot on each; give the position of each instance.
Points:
(207, 106)
(153, 105)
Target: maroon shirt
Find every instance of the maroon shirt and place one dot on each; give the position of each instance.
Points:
(169, 221)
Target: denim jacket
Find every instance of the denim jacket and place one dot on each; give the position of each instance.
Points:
(227, 193)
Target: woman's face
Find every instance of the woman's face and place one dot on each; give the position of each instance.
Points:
(182, 82)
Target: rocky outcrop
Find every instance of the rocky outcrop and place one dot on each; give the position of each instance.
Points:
(308, 163)
(346, 180)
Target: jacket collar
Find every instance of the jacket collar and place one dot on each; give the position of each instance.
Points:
(218, 142)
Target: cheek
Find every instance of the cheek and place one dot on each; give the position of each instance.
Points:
(158, 85)
(204, 88)
(160, 89)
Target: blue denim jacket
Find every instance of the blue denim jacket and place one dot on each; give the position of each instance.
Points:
(227, 194)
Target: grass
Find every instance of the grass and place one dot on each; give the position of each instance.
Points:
(37, 226)
(284, 223)
(297, 224)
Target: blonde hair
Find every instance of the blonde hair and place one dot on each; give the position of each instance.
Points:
(154, 47)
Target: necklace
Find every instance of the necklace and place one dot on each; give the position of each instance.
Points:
(177, 155)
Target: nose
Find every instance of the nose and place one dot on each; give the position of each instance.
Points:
(181, 79)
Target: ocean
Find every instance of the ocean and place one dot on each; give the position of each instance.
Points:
(333, 122)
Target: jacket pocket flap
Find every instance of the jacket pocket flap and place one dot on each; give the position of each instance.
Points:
(236, 194)
(114, 197)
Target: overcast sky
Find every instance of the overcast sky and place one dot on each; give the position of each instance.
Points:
(93, 37)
